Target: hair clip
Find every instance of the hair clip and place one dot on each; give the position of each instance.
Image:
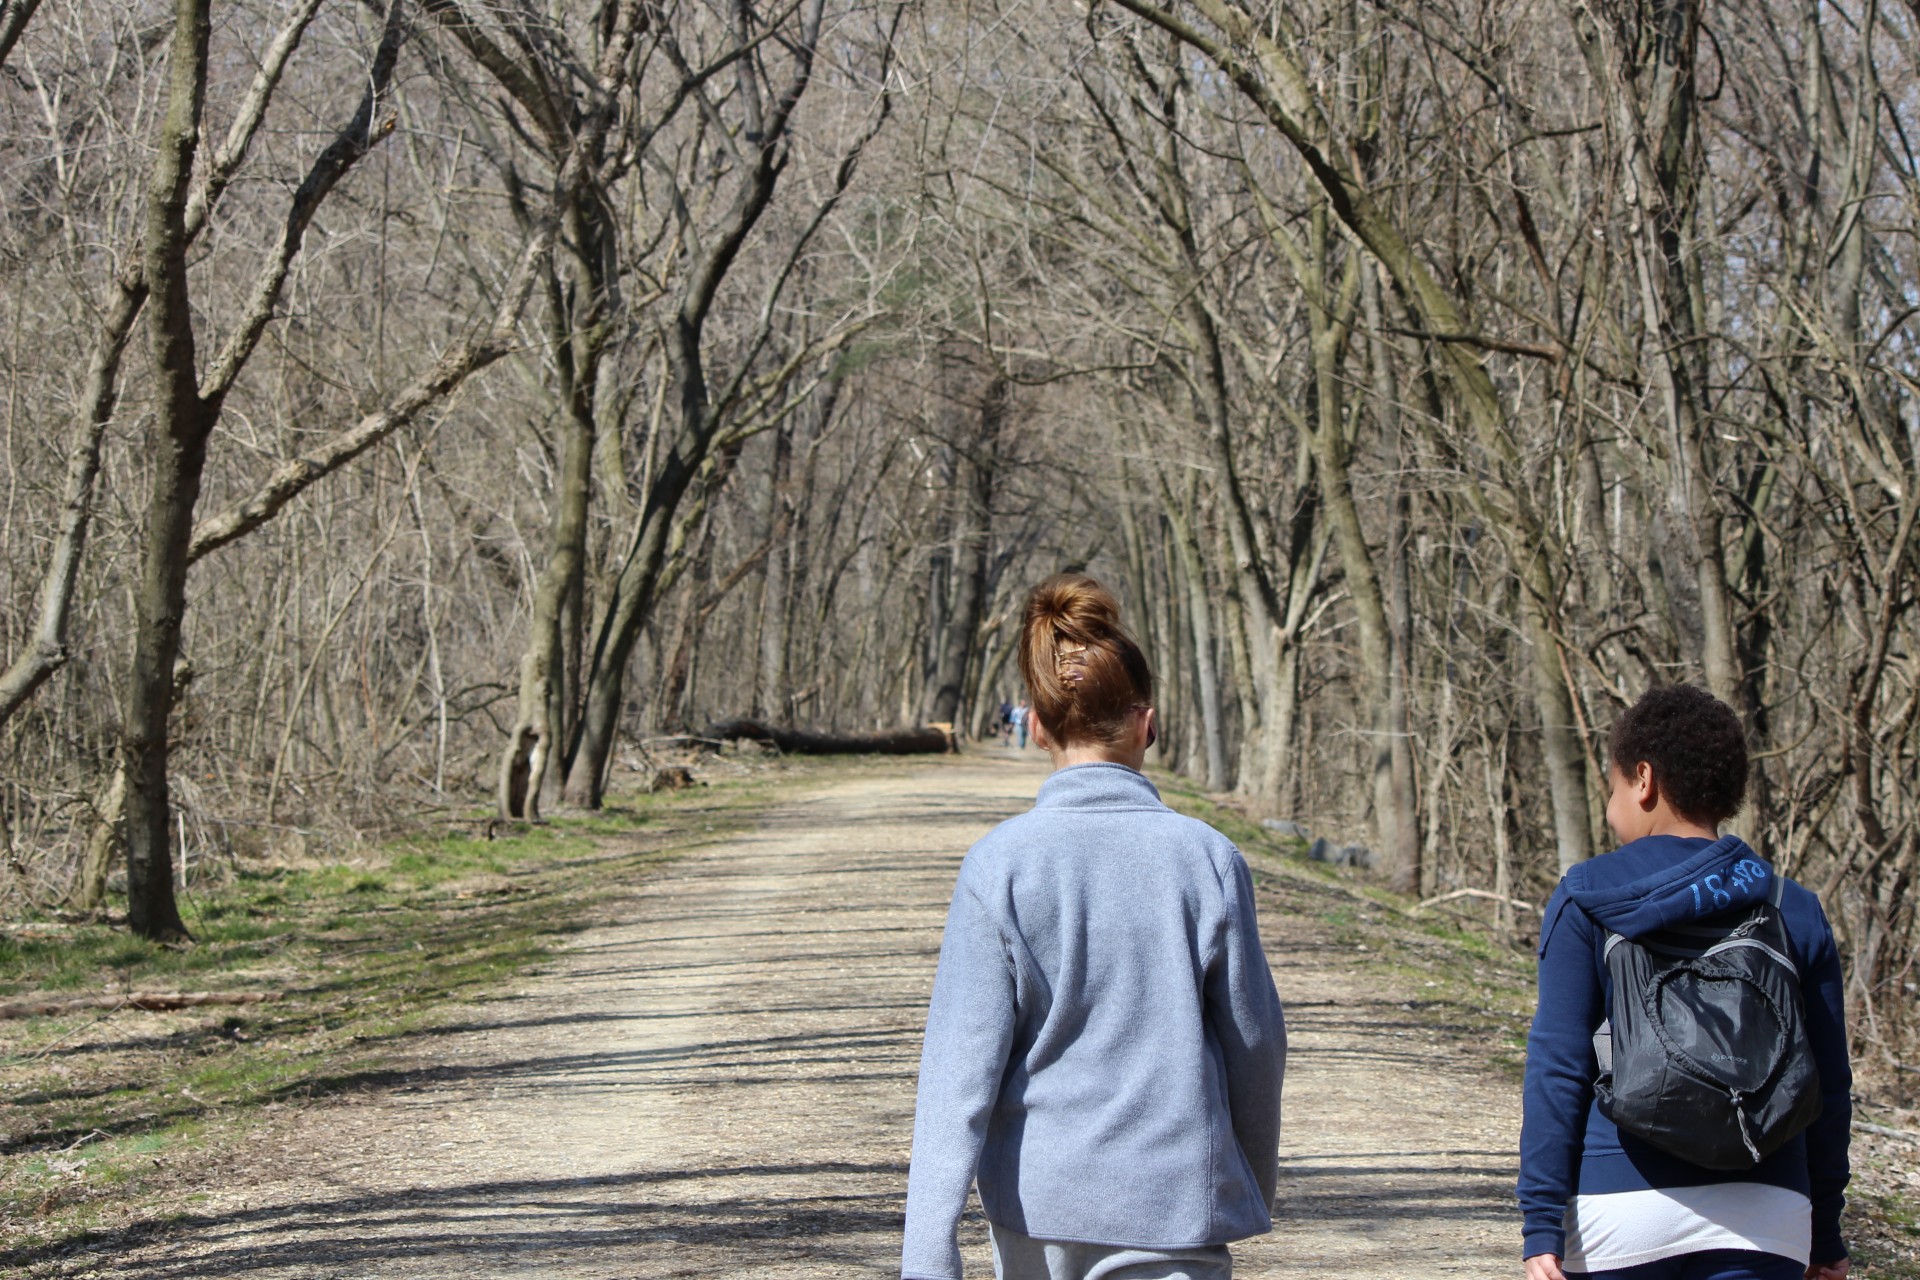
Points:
(1070, 661)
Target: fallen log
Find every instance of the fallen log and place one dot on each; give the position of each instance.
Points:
(43, 1006)
(921, 740)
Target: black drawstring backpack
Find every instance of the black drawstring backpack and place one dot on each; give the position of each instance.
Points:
(1704, 1051)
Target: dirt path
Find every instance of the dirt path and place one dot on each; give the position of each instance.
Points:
(723, 1086)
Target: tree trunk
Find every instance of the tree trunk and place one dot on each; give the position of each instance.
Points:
(675, 710)
(47, 651)
(770, 680)
(1198, 612)
(13, 21)
(1277, 648)
(795, 555)
(973, 529)
(626, 612)
(105, 844)
(1409, 874)
(1330, 317)
(177, 446)
(540, 723)
(1403, 854)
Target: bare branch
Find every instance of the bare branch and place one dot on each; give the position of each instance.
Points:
(14, 17)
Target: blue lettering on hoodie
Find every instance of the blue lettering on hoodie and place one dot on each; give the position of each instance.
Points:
(1742, 884)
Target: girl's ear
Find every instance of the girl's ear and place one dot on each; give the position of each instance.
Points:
(1038, 730)
(1646, 789)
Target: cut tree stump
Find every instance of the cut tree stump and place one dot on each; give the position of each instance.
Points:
(44, 1006)
(906, 741)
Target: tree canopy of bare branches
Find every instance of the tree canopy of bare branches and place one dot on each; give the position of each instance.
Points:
(418, 402)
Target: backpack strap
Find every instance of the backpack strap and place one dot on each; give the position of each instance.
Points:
(1603, 1034)
(1780, 942)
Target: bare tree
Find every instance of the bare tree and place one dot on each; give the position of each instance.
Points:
(708, 409)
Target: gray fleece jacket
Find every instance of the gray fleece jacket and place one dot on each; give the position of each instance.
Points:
(1105, 1046)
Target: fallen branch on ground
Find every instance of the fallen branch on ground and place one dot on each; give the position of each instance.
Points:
(1886, 1131)
(1475, 893)
(151, 1000)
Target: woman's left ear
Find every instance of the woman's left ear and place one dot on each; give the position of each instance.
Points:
(1153, 727)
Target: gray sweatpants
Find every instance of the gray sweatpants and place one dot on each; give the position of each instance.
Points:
(1021, 1257)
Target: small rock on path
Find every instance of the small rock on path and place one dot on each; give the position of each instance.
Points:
(723, 1086)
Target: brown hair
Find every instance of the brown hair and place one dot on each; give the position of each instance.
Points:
(1083, 670)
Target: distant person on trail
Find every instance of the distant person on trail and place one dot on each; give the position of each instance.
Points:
(1624, 1095)
(1003, 724)
(1105, 1046)
(1021, 714)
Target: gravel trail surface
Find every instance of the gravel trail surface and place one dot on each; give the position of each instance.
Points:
(721, 1084)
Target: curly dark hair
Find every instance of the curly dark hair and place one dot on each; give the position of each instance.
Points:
(1695, 745)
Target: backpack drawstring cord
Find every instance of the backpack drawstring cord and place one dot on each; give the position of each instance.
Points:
(1740, 1117)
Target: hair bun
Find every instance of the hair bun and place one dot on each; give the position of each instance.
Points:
(1084, 672)
(1074, 605)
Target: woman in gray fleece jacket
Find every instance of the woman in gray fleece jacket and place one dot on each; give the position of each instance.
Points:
(1105, 1047)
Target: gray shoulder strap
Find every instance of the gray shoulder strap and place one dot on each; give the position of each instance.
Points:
(1778, 890)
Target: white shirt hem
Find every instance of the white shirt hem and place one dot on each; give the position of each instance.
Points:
(1627, 1228)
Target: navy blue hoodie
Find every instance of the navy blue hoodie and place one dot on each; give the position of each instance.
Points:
(1566, 1146)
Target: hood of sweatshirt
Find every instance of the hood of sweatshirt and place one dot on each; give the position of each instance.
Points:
(1661, 881)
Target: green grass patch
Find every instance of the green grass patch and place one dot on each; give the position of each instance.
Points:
(355, 957)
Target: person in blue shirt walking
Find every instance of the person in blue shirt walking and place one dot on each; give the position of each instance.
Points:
(1105, 1045)
(1601, 1202)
